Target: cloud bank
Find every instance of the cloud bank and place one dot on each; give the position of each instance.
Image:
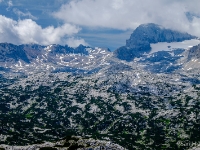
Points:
(128, 14)
(28, 31)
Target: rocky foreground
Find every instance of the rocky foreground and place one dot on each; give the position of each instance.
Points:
(69, 143)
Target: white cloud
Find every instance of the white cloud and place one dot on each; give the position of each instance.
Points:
(75, 42)
(10, 4)
(1, 1)
(28, 31)
(128, 14)
(22, 14)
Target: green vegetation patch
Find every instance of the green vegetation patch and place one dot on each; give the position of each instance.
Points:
(28, 116)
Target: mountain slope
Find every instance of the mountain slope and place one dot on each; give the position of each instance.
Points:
(53, 58)
(192, 58)
(122, 103)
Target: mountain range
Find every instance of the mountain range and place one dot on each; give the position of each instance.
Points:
(144, 95)
(86, 59)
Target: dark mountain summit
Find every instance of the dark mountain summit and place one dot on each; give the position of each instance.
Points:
(144, 35)
(153, 33)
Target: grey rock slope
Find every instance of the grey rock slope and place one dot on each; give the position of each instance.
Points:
(192, 58)
(144, 35)
(194, 52)
(29, 58)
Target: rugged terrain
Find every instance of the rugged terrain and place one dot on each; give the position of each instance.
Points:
(148, 101)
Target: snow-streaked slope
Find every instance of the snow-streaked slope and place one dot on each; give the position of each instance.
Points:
(63, 61)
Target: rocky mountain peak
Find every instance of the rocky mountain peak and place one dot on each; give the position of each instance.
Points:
(81, 49)
(144, 35)
(153, 33)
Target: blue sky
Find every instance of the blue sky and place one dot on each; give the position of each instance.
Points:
(102, 23)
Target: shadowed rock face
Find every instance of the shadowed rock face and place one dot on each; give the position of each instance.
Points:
(144, 35)
(59, 49)
(194, 52)
(12, 53)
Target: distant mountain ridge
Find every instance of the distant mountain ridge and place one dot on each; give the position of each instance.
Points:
(52, 58)
(144, 35)
(85, 59)
(138, 43)
(28, 52)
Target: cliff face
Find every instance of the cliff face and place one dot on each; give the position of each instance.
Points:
(144, 35)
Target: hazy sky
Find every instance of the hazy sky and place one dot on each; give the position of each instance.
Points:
(104, 23)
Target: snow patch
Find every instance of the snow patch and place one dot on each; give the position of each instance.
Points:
(48, 48)
(164, 46)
